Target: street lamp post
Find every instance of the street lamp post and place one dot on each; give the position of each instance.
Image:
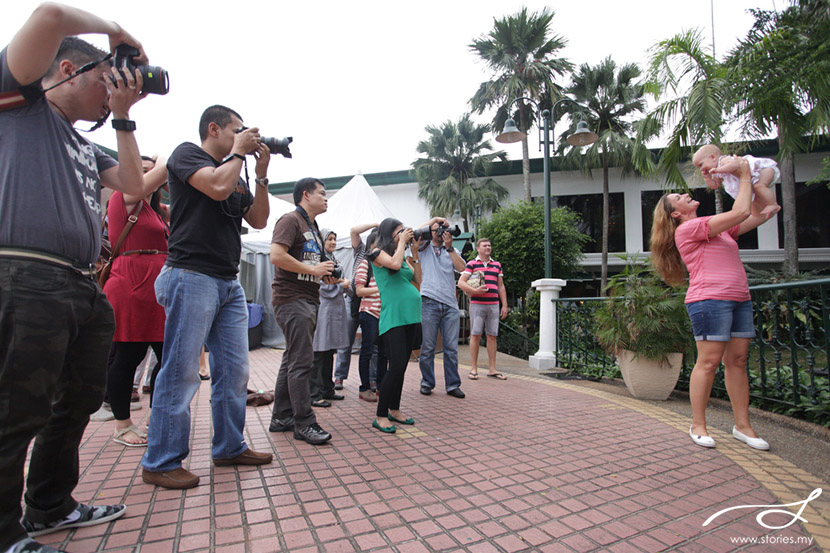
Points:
(581, 137)
(545, 358)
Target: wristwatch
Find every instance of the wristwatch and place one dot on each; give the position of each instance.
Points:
(261, 182)
(123, 125)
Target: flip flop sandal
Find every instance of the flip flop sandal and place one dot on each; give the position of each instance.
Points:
(118, 437)
(473, 376)
(497, 375)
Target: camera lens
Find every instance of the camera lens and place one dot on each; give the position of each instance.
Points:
(155, 78)
(424, 232)
(278, 145)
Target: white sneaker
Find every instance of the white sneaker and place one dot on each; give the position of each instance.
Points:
(754, 443)
(702, 441)
(104, 413)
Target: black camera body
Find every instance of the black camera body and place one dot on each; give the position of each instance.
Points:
(278, 145)
(426, 232)
(155, 78)
(337, 272)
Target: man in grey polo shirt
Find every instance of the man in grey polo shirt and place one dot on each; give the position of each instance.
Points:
(439, 310)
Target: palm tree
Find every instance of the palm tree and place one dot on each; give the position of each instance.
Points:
(612, 99)
(522, 57)
(453, 175)
(683, 68)
(778, 76)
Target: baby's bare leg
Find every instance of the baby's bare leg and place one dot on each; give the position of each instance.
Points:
(765, 200)
(764, 194)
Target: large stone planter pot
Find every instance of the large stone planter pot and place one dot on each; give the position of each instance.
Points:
(648, 378)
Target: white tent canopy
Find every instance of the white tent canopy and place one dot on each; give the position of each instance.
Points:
(354, 204)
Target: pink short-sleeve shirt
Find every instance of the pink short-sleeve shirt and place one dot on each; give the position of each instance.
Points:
(714, 264)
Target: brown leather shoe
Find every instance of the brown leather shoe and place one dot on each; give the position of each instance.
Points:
(179, 479)
(247, 457)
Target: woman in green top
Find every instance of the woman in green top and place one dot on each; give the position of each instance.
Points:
(400, 315)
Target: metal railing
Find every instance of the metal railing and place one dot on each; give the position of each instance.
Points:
(788, 359)
(515, 343)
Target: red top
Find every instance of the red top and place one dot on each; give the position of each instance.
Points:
(714, 264)
(368, 304)
(130, 288)
(492, 271)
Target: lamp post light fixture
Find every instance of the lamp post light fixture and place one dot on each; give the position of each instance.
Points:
(583, 136)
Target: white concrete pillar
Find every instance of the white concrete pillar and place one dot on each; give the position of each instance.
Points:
(545, 358)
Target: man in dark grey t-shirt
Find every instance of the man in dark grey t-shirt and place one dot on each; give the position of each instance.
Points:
(55, 323)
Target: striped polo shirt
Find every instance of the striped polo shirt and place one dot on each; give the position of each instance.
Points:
(714, 263)
(368, 304)
(492, 272)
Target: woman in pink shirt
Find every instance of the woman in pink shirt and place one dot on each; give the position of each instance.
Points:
(718, 298)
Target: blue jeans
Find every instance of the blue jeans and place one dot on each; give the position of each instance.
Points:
(200, 310)
(434, 316)
(344, 355)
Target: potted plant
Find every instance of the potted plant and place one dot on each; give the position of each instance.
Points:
(644, 323)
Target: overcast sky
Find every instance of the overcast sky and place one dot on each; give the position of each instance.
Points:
(355, 83)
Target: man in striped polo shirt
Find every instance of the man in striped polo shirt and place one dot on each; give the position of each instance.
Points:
(484, 305)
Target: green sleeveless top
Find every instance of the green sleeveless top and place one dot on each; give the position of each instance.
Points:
(400, 301)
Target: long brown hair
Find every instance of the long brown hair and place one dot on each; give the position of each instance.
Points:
(664, 255)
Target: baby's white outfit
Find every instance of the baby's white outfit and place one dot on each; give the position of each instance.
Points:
(731, 182)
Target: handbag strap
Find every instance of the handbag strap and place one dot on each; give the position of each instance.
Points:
(131, 220)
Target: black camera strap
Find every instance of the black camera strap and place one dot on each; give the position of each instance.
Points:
(241, 208)
(315, 232)
(29, 94)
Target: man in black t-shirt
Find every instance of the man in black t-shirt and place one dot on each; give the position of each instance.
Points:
(202, 298)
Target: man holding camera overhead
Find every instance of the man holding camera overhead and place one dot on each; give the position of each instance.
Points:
(300, 264)
(202, 297)
(439, 308)
(56, 325)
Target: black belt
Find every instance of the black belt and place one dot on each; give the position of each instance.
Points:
(17, 253)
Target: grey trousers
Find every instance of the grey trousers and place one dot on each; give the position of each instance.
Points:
(297, 320)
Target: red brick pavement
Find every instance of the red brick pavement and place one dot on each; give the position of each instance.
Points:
(519, 465)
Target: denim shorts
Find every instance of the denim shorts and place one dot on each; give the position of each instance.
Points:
(721, 320)
(484, 318)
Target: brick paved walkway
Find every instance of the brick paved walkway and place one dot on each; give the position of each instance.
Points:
(528, 464)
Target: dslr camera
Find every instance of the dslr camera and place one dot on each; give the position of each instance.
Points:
(426, 232)
(155, 78)
(275, 145)
(337, 272)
